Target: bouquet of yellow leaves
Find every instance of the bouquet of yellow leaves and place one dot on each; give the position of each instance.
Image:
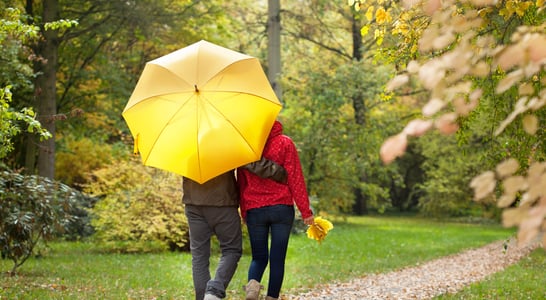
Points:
(319, 229)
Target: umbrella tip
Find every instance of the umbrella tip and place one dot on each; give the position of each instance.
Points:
(196, 89)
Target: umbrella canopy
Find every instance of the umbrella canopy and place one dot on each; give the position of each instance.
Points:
(201, 111)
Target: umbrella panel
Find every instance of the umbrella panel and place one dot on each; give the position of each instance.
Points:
(204, 135)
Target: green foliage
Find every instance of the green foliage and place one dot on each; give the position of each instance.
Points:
(15, 74)
(138, 206)
(32, 209)
(448, 168)
(339, 156)
(10, 125)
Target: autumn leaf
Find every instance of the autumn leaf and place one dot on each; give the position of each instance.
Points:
(506, 200)
(433, 106)
(483, 185)
(447, 123)
(511, 56)
(393, 147)
(432, 6)
(514, 184)
(537, 49)
(381, 15)
(530, 124)
(417, 127)
(397, 81)
(507, 167)
(508, 81)
(319, 230)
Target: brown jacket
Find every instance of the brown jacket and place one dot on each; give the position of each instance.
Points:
(223, 190)
(219, 191)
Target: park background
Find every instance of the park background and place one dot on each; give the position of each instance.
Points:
(72, 65)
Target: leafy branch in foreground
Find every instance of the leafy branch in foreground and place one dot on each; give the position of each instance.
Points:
(464, 44)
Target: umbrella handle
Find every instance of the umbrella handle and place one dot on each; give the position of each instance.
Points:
(135, 144)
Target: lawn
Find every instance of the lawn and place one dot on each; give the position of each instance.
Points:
(355, 246)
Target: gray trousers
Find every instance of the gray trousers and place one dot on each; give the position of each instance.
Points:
(225, 223)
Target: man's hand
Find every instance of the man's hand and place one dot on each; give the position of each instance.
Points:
(269, 169)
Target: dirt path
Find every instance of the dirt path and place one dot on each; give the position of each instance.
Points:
(444, 275)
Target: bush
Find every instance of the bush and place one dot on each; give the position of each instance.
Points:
(32, 209)
(138, 206)
(84, 153)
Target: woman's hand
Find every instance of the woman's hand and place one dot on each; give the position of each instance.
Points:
(309, 220)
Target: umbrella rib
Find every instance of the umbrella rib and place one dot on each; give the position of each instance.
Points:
(163, 129)
(211, 103)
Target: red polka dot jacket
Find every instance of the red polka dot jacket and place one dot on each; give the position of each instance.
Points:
(259, 192)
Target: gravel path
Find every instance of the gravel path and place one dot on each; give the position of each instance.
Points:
(427, 280)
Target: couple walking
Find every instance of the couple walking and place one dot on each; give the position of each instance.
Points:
(265, 191)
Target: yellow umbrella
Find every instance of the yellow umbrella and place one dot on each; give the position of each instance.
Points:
(201, 111)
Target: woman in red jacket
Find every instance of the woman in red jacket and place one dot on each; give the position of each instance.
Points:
(267, 206)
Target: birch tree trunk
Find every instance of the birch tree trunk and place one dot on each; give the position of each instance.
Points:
(274, 45)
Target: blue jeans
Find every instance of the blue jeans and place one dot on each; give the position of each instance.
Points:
(277, 220)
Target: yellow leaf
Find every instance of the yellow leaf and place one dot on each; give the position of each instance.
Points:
(380, 15)
(364, 30)
(319, 229)
(369, 13)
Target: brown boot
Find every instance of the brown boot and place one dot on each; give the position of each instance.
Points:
(270, 298)
(252, 289)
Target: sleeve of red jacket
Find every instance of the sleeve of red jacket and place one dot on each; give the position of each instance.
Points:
(296, 181)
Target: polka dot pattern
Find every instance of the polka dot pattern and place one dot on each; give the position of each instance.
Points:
(258, 192)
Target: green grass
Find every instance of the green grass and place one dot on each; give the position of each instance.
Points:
(524, 280)
(353, 248)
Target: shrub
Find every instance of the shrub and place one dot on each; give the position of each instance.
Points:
(32, 209)
(137, 206)
(82, 152)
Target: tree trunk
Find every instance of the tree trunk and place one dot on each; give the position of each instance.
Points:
(274, 45)
(360, 206)
(45, 87)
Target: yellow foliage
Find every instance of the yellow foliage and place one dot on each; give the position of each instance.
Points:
(380, 15)
(84, 153)
(138, 203)
(369, 13)
(515, 7)
(319, 229)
